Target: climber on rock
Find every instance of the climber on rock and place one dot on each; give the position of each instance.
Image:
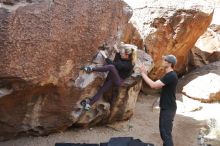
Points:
(119, 69)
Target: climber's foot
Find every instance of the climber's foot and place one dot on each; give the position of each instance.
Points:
(87, 69)
(85, 104)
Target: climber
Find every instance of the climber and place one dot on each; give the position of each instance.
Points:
(168, 105)
(119, 69)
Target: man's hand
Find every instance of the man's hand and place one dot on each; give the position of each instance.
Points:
(153, 84)
(103, 53)
(143, 69)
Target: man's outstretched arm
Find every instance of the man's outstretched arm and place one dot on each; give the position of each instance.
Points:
(153, 84)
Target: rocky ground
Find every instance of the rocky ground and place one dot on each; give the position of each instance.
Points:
(143, 125)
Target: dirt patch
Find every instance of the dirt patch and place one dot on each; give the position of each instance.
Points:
(143, 125)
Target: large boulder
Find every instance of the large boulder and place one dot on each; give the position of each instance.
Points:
(170, 27)
(47, 41)
(43, 45)
(202, 84)
(207, 47)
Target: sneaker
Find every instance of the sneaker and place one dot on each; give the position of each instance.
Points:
(87, 107)
(87, 69)
(85, 104)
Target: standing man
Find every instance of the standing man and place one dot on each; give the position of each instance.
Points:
(168, 106)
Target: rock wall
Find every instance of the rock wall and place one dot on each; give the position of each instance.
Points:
(170, 27)
(207, 47)
(43, 44)
(56, 37)
(132, 36)
(202, 84)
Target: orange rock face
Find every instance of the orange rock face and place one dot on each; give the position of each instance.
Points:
(43, 44)
(132, 36)
(176, 35)
(168, 27)
(47, 42)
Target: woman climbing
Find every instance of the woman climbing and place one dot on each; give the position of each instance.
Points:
(119, 69)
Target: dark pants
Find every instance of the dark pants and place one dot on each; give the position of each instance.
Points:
(113, 79)
(166, 125)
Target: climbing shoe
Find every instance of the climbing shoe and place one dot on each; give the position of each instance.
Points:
(87, 69)
(85, 104)
(87, 107)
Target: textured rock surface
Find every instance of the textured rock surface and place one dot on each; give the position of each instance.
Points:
(202, 84)
(170, 27)
(123, 105)
(132, 36)
(199, 58)
(44, 42)
(42, 47)
(207, 47)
